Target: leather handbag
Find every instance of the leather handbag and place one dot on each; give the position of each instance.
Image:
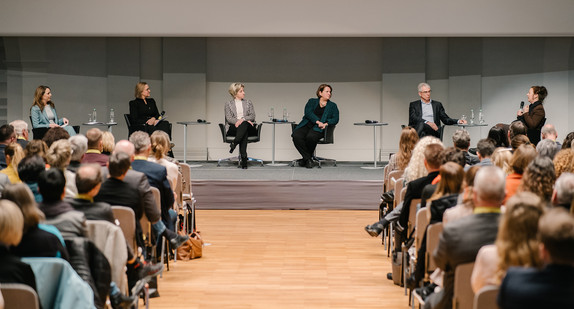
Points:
(191, 249)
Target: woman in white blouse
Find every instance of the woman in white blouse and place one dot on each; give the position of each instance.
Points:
(239, 120)
(43, 112)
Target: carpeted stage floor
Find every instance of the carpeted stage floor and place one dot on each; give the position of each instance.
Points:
(346, 186)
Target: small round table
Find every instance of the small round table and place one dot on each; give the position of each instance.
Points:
(273, 142)
(185, 124)
(97, 123)
(374, 125)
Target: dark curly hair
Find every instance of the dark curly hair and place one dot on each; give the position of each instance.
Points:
(539, 178)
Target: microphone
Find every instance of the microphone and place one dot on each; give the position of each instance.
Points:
(521, 104)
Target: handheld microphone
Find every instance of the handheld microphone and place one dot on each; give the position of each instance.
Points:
(521, 104)
(161, 115)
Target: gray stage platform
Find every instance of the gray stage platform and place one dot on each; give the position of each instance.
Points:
(346, 186)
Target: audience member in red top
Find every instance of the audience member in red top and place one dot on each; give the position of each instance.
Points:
(520, 160)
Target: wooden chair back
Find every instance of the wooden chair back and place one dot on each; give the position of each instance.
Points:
(127, 220)
(433, 236)
(17, 295)
(486, 298)
(421, 226)
(463, 296)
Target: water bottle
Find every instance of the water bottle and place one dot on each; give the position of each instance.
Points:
(480, 117)
(284, 114)
(112, 116)
(94, 116)
(471, 116)
(271, 114)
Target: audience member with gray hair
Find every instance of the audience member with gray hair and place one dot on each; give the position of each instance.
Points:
(79, 144)
(21, 130)
(461, 239)
(461, 140)
(548, 131)
(547, 148)
(563, 194)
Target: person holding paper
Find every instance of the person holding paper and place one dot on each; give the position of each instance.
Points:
(144, 112)
(43, 112)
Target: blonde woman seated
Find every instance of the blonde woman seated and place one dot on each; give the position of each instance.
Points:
(239, 120)
(516, 243)
(108, 143)
(59, 156)
(14, 154)
(159, 149)
(501, 157)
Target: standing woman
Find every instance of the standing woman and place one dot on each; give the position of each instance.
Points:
(43, 112)
(143, 111)
(239, 120)
(319, 113)
(534, 115)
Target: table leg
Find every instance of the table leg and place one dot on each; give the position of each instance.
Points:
(273, 151)
(184, 143)
(374, 167)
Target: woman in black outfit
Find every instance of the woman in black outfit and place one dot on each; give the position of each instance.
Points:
(143, 111)
(534, 115)
(319, 113)
(240, 120)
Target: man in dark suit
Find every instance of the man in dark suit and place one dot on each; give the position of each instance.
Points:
(460, 240)
(95, 146)
(552, 286)
(433, 161)
(156, 175)
(425, 115)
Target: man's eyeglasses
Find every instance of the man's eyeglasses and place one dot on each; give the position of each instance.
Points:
(428, 91)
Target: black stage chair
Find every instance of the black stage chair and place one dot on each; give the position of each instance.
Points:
(38, 133)
(328, 138)
(229, 138)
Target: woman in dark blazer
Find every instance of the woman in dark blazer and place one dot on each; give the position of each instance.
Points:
(319, 113)
(239, 120)
(534, 115)
(143, 111)
(43, 112)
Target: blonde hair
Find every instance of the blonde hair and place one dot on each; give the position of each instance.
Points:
(108, 142)
(59, 154)
(407, 142)
(11, 223)
(139, 89)
(450, 182)
(516, 242)
(159, 144)
(564, 162)
(501, 157)
(416, 167)
(234, 89)
(16, 154)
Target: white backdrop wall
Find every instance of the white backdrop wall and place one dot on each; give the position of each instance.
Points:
(373, 78)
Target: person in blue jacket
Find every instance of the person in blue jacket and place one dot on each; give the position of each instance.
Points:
(319, 113)
(43, 112)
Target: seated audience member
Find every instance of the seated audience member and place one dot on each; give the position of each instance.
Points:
(159, 150)
(70, 223)
(547, 148)
(29, 171)
(460, 240)
(37, 147)
(539, 178)
(567, 143)
(14, 154)
(55, 134)
(156, 175)
(498, 136)
(516, 128)
(549, 132)
(450, 154)
(7, 137)
(501, 157)
(521, 158)
(519, 140)
(95, 147)
(79, 144)
(38, 240)
(407, 141)
(461, 140)
(59, 156)
(88, 182)
(21, 130)
(12, 270)
(564, 162)
(126, 187)
(465, 206)
(484, 149)
(563, 194)
(418, 171)
(551, 286)
(445, 197)
(515, 245)
(108, 142)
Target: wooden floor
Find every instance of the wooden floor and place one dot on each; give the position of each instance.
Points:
(283, 259)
